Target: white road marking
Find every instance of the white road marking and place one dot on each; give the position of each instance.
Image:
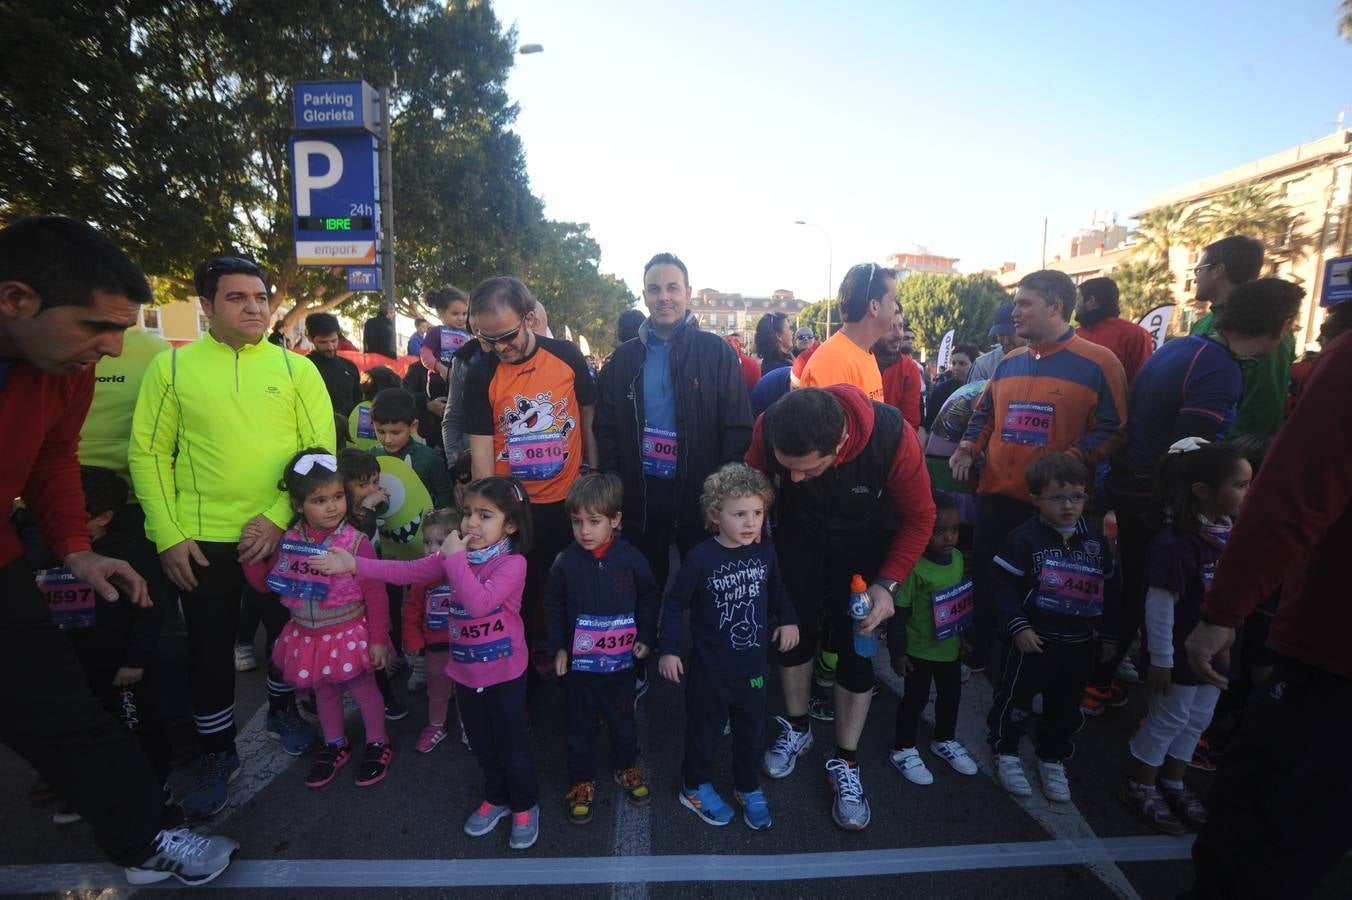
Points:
(558, 871)
(633, 824)
(1062, 821)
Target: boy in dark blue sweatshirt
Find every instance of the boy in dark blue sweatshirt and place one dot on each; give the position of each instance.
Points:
(1056, 591)
(601, 605)
(731, 586)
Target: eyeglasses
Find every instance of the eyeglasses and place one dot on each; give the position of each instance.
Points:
(1063, 499)
(1200, 266)
(504, 338)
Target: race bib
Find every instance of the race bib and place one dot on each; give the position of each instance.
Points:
(1208, 575)
(952, 610)
(1070, 588)
(452, 339)
(1028, 423)
(365, 427)
(477, 640)
(438, 607)
(291, 576)
(603, 643)
(71, 601)
(535, 457)
(659, 453)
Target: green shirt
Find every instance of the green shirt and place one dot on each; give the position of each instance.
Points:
(117, 383)
(429, 466)
(1266, 385)
(212, 433)
(917, 596)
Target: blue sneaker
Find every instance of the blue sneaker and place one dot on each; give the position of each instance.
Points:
(297, 735)
(755, 811)
(705, 803)
(207, 795)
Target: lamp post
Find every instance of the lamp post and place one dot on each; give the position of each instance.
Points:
(830, 275)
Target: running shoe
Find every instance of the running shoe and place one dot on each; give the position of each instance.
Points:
(955, 755)
(417, 673)
(485, 818)
(375, 763)
(525, 829)
(395, 709)
(208, 794)
(705, 802)
(191, 858)
(429, 737)
(1149, 806)
(783, 756)
(1204, 757)
(823, 709)
(297, 735)
(1186, 806)
(635, 786)
(1009, 772)
(1095, 701)
(245, 661)
(331, 758)
(755, 810)
(911, 766)
(1127, 673)
(579, 801)
(1055, 784)
(850, 809)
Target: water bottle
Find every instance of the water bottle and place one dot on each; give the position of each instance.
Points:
(864, 644)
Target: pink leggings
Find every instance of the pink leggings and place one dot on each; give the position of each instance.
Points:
(329, 701)
(439, 686)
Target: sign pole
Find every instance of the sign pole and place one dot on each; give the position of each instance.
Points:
(386, 200)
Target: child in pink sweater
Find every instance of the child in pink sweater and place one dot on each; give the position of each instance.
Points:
(484, 564)
(337, 635)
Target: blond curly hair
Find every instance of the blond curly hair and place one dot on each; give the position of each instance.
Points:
(731, 482)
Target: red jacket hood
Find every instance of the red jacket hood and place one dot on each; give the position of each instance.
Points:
(858, 419)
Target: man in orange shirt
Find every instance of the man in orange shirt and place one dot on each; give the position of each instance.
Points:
(867, 303)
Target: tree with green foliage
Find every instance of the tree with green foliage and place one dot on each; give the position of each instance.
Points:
(167, 125)
(1160, 230)
(933, 304)
(815, 316)
(1143, 285)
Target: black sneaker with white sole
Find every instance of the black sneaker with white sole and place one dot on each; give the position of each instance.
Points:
(191, 858)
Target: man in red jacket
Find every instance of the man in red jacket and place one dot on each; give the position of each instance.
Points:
(853, 498)
(1099, 315)
(1278, 816)
(67, 294)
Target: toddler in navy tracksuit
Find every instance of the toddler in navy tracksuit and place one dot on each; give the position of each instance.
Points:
(1055, 587)
(731, 586)
(601, 607)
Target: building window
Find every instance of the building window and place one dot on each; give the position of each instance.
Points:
(150, 320)
(203, 323)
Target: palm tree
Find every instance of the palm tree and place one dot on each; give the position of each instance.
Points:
(1162, 228)
(1345, 20)
(1251, 209)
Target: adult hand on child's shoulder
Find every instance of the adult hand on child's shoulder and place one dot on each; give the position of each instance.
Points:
(670, 667)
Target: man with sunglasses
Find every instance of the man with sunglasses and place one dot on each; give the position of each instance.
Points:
(1188, 388)
(215, 424)
(672, 408)
(867, 302)
(1060, 393)
(528, 413)
(1226, 264)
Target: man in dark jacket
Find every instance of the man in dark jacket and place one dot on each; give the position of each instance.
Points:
(671, 408)
(377, 335)
(341, 376)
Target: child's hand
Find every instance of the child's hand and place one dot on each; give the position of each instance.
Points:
(454, 543)
(335, 562)
(380, 655)
(902, 665)
(126, 677)
(376, 498)
(1028, 642)
(1107, 651)
(561, 663)
(641, 650)
(785, 637)
(670, 668)
(1158, 679)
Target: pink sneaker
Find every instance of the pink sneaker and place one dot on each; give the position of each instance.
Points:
(429, 737)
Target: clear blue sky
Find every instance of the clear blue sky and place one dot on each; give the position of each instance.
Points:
(707, 128)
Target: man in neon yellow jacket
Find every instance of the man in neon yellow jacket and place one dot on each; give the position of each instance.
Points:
(215, 424)
(117, 384)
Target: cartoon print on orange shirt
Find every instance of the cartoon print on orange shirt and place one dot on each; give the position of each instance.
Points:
(536, 430)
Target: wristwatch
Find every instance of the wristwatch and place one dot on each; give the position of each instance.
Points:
(888, 585)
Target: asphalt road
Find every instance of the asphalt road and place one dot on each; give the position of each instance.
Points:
(960, 837)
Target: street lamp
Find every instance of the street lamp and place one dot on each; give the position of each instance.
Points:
(830, 276)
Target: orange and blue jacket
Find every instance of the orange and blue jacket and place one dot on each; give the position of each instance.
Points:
(1067, 395)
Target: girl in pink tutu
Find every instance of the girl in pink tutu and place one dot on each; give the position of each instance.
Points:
(338, 634)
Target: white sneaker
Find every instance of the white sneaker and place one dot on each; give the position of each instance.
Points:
(850, 809)
(245, 661)
(783, 756)
(1054, 783)
(955, 755)
(417, 673)
(1011, 776)
(1037, 704)
(911, 766)
(1126, 672)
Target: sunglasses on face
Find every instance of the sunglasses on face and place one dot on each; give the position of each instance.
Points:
(505, 338)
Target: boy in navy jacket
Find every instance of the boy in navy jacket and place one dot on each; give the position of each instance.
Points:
(1056, 590)
(601, 604)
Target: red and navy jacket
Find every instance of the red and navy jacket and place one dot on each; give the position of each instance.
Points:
(1067, 395)
(619, 582)
(1053, 584)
